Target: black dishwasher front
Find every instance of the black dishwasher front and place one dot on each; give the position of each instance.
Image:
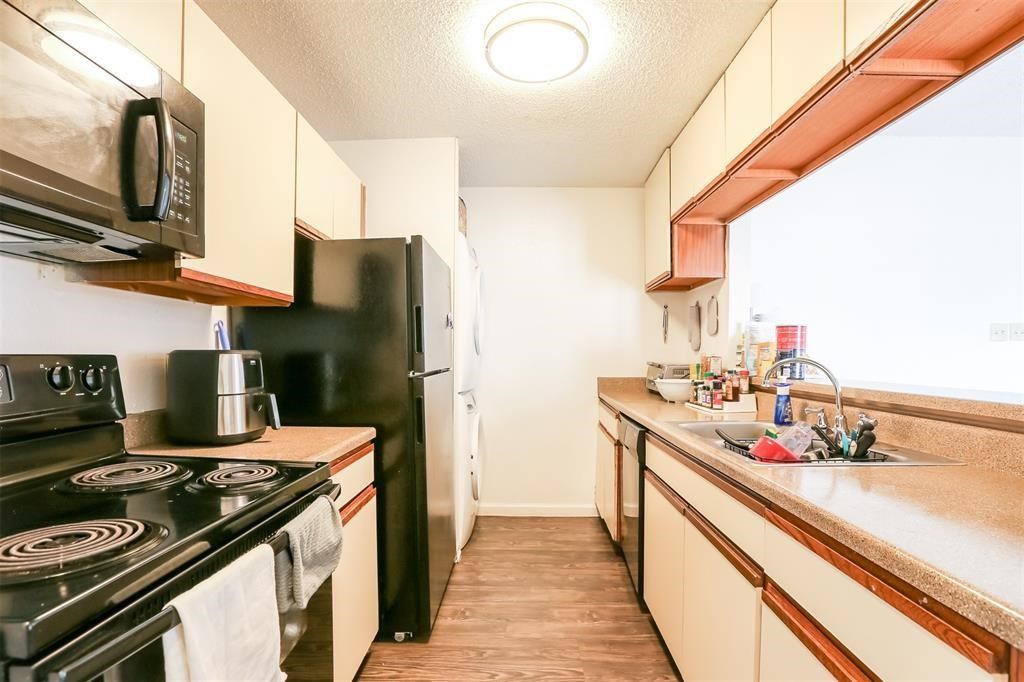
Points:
(632, 437)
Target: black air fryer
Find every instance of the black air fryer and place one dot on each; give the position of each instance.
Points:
(216, 397)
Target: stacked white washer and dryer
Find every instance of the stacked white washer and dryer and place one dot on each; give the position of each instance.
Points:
(468, 337)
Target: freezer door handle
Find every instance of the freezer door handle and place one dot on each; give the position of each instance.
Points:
(417, 313)
(421, 420)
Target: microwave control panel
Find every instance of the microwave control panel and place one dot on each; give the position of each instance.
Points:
(182, 216)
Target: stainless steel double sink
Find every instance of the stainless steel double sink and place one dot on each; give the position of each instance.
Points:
(879, 455)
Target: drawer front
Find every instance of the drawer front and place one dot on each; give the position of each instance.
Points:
(891, 645)
(608, 419)
(355, 592)
(354, 478)
(737, 522)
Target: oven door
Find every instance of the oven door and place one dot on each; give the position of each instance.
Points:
(128, 645)
(92, 161)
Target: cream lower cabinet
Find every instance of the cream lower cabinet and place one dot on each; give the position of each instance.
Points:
(250, 162)
(664, 547)
(606, 481)
(888, 642)
(721, 608)
(784, 658)
(355, 589)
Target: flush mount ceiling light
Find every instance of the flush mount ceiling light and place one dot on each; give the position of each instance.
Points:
(536, 42)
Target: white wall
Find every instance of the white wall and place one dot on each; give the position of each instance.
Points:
(563, 304)
(41, 313)
(412, 187)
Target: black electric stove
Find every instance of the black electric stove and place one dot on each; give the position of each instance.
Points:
(86, 528)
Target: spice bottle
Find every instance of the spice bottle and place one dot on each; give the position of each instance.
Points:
(744, 381)
(717, 396)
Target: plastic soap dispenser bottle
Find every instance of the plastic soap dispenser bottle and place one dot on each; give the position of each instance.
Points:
(783, 406)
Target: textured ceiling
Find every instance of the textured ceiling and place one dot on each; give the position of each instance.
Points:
(368, 69)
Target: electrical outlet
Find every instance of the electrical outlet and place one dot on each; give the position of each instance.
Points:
(1017, 332)
(999, 332)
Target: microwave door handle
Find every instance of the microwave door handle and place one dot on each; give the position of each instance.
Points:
(158, 109)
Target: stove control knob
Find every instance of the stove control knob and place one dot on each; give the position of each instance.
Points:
(60, 378)
(92, 379)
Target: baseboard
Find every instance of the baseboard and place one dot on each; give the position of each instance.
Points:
(537, 510)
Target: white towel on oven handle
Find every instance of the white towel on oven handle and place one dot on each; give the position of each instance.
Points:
(229, 626)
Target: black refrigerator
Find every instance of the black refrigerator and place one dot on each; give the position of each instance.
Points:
(368, 342)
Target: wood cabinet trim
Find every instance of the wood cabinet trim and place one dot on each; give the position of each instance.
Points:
(351, 457)
(1016, 665)
(818, 641)
(224, 282)
(929, 44)
(357, 503)
(746, 566)
(308, 231)
(166, 278)
(600, 427)
(968, 639)
(671, 495)
(743, 564)
(741, 495)
(618, 492)
(601, 403)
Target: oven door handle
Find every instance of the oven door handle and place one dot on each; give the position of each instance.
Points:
(94, 662)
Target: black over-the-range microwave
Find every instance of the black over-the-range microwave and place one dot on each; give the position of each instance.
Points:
(101, 152)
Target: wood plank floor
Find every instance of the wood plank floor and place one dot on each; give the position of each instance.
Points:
(533, 599)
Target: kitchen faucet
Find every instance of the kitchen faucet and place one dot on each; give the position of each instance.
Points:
(839, 432)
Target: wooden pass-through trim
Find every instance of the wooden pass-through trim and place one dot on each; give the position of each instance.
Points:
(968, 639)
(822, 645)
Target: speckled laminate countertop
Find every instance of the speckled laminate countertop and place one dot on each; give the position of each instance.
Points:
(289, 444)
(954, 532)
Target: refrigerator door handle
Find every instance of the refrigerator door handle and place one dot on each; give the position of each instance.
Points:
(421, 420)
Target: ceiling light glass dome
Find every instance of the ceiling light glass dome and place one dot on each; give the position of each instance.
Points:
(536, 42)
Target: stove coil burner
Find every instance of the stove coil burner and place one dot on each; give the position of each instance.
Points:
(128, 476)
(241, 478)
(74, 547)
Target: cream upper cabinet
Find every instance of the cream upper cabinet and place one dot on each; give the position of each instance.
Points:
(866, 19)
(657, 222)
(807, 42)
(314, 171)
(748, 91)
(698, 154)
(721, 614)
(250, 161)
(153, 27)
(664, 526)
(348, 196)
